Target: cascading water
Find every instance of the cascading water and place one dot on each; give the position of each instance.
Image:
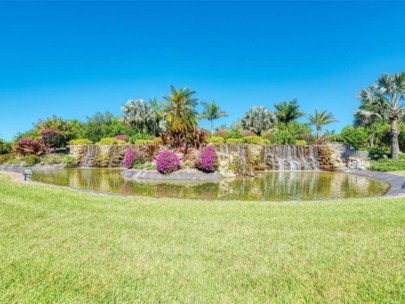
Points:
(289, 157)
(90, 155)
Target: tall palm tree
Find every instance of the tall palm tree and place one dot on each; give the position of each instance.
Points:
(390, 91)
(320, 119)
(371, 111)
(156, 114)
(212, 112)
(180, 110)
(288, 111)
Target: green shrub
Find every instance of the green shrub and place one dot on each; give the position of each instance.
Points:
(376, 154)
(110, 141)
(138, 136)
(150, 166)
(5, 158)
(255, 140)
(300, 142)
(54, 159)
(356, 137)
(143, 141)
(31, 160)
(216, 140)
(158, 141)
(80, 141)
(283, 138)
(234, 141)
(234, 134)
(385, 165)
(5, 147)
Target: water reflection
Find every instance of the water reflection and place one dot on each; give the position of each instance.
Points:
(269, 186)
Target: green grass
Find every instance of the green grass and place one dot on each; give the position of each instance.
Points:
(61, 246)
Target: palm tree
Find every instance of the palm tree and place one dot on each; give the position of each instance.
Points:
(288, 111)
(136, 114)
(319, 119)
(259, 119)
(371, 111)
(156, 114)
(212, 112)
(389, 90)
(180, 110)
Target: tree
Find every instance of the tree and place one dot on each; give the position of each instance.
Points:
(137, 113)
(370, 113)
(320, 119)
(389, 91)
(180, 110)
(156, 115)
(98, 126)
(258, 119)
(288, 112)
(212, 112)
(70, 129)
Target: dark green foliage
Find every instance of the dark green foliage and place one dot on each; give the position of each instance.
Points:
(282, 138)
(385, 165)
(31, 160)
(5, 147)
(356, 137)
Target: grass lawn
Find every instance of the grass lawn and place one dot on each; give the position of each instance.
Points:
(63, 246)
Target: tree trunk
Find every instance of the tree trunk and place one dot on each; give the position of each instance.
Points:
(212, 126)
(394, 138)
(318, 132)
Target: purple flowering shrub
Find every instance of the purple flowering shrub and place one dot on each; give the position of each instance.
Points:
(207, 160)
(52, 138)
(29, 146)
(249, 133)
(122, 137)
(167, 162)
(129, 158)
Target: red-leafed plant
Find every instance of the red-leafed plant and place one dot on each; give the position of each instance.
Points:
(29, 146)
(150, 150)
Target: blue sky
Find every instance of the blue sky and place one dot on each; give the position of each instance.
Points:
(74, 59)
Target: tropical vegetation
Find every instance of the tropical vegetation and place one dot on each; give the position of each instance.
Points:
(174, 122)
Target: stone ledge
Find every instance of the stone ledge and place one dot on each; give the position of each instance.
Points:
(179, 175)
(395, 181)
(21, 168)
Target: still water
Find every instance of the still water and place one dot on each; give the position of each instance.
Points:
(269, 186)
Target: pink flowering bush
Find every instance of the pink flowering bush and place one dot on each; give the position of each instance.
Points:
(221, 133)
(52, 138)
(207, 160)
(122, 137)
(249, 133)
(167, 162)
(129, 158)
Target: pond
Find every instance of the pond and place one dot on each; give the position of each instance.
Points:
(268, 186)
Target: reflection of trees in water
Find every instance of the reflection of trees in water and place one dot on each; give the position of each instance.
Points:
(269, 186)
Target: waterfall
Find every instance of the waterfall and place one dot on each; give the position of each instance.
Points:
(290, 157)
(90, 155)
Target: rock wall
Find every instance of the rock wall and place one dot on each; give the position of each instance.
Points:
(235, 159)
(345, 156)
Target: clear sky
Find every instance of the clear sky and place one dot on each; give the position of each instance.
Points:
(74, 59)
